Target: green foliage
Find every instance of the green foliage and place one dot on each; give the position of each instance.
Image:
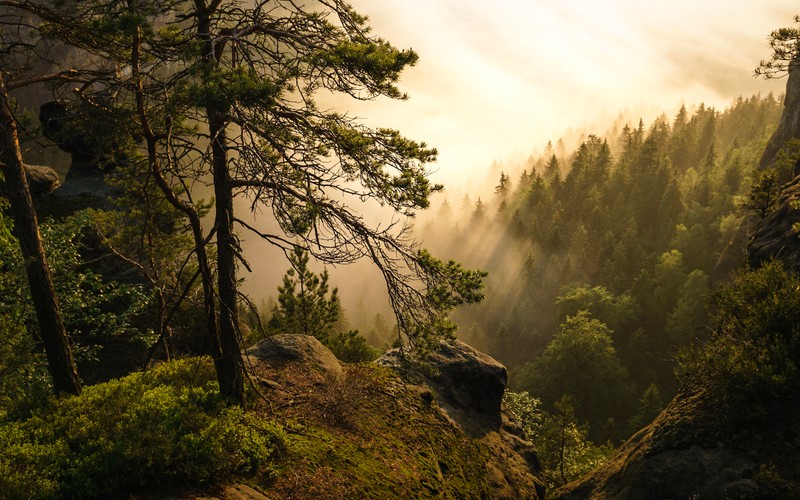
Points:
(166, 426)
(245, 80)
(581, 363)
(24, 382)
(764, 193)
(305, 308)
(95, 311)
(618, 312)
(636, 228)
(785, 43)
(450, 285)
(754, 354)
(303, 304)
(650, 405)
(146, 240)
(562, 444)
(351, 347)
(92, 305)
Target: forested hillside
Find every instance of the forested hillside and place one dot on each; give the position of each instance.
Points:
(600, 260)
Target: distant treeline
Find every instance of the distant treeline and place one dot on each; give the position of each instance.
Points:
(600, 260)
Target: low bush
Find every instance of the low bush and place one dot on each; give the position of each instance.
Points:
(168, 426)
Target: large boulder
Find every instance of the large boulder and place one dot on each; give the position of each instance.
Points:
(468, 387)
(42, 179)
(686, 452)
(285, 348)
(467, 384)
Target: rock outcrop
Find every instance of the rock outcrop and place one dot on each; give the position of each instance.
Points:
(57, 125)
(42, 179)
(776, 236)
(444, 434)
(468, 386)
(281, 349)
(789, 126)
(85, 183)
(682, 454)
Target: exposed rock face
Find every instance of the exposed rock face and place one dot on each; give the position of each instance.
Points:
(775, 236)
(85, 184)
(56, 120)
(467, 384)
(789, 126)
(298, 372)
(42, 180)
(682, 454)
(305, 349)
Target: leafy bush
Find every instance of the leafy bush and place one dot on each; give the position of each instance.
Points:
(754, 353)
(96, 311)
(24, 383)
(166, 426)
(562, 444)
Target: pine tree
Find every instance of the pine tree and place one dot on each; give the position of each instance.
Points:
(304, 306)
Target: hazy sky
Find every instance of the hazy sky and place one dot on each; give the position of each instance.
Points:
(497, 79)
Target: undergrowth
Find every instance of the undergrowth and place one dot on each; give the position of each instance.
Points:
(167, 426)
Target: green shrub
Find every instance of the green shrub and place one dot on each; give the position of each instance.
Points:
(754, 353)
(24, 382)
(351, 347)
(167, 426)
(562, 444)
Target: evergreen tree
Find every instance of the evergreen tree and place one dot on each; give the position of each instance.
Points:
(650, 405)
(304, 306)
(249, 77)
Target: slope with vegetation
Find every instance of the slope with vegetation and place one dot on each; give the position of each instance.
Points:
(314, 429)
(731, 432)
(600, 260)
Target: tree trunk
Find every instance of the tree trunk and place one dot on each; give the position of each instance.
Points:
(231, 384)
(26, 227)
(231, 377)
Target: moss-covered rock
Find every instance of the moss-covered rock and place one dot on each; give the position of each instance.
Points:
(371, 434)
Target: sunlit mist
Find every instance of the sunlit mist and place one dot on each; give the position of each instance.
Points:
(496, 80)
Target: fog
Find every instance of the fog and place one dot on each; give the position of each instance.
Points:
(496, 81)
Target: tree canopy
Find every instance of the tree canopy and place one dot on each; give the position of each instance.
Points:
(224, 93)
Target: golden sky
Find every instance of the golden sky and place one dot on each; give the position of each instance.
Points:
(499, 79)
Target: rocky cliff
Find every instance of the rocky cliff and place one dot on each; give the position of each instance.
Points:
(367, 431)
(789, 126)
(775, 236)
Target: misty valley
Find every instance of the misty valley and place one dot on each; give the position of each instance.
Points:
(216, 281)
